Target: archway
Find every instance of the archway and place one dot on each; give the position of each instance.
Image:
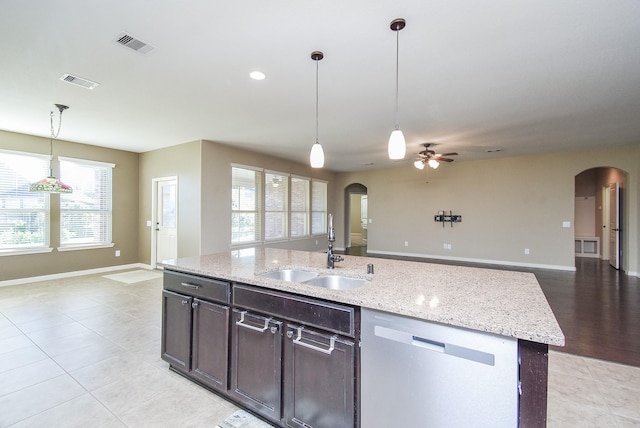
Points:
(599, 220)
(355, 218)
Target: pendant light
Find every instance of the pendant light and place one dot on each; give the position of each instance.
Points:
(51, 184)
(316, 157)
(397, 146)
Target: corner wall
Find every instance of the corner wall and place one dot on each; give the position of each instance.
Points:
(203, 169)
(125, 212)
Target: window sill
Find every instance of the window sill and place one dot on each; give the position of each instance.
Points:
(25, 251)
(85, 247)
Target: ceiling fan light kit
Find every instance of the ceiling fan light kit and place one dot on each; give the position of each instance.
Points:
(397, 147)
(431, 158)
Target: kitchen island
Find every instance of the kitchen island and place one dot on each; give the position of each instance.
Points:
(494, 303)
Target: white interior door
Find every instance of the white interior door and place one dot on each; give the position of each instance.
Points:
(364, 216)
(614, 225)
(166, 218)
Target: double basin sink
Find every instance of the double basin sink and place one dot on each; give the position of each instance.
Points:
(334, 282)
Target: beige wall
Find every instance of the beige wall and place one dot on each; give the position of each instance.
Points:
(181, 161)
(203, 169)
(507, 205)
(125, 212)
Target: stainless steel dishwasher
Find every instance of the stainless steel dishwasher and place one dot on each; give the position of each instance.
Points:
(421, 374)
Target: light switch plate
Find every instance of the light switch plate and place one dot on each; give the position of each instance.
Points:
(566, 224)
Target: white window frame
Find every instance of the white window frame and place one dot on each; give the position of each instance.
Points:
(319, 211)
(282, 213)
(6, 200)
(104, 209)
(258, 208)
(307, 208)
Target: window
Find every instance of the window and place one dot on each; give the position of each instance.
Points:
(275, 205)
(245, 205)
(299, 207)
(24, 215)
(85, 214)
(318, 207)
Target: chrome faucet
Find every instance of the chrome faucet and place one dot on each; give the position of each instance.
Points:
(332, 258)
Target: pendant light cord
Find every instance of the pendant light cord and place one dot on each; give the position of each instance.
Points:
(317, 67)
(397, 72)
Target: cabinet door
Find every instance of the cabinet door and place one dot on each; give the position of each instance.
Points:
(256, 363)
(210, 346)
(176, 330)
(319, 379)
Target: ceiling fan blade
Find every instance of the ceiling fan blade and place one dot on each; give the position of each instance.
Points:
(443, 160)
(447, 154)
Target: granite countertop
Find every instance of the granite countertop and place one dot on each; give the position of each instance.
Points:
(500, 302)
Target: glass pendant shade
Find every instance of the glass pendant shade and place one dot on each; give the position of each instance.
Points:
(397, 147)
(316, 158)
(419, 164)
(434, 163)
(50, 185)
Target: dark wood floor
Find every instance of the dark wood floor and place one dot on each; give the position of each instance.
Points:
(597, 307)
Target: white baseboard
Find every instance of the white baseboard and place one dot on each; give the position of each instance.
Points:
(71, 274)
(471, 260)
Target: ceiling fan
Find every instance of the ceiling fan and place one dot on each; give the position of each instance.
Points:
(431, 158)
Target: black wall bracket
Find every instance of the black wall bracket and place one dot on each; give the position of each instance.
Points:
(447, 218)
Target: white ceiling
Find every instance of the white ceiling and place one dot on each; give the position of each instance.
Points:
(524, 76)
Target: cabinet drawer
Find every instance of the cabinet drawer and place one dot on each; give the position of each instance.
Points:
(328, 316)
(193, 285)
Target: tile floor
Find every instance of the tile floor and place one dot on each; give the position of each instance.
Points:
(84, 351)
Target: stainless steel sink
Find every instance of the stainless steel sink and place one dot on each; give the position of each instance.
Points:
(291, 275)
(336, 282)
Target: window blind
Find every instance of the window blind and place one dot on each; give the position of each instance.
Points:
(86, 214)
(299, 207)
(24, 215)
(275, 205)
(245, 205)
(318, 207)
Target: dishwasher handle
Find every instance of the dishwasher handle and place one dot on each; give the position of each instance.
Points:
(422, 342)
(408, 338)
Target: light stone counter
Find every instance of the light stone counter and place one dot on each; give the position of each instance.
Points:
(499, 302)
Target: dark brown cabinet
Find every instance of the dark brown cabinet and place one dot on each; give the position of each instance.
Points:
(232, 339)
(195, 332)
(319, 379)
(176, 330)
(210, 343)
(256, 356)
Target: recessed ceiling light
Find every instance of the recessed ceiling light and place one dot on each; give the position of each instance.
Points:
(257, 75)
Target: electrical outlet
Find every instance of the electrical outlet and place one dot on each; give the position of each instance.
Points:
(117, 253)
(316, 242)
(406, 243)
(444, 245)
(526, 251)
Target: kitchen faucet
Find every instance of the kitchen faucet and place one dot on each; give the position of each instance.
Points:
(332, 258)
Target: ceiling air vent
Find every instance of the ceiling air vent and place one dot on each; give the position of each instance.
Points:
(75, 80)
(135, 44)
